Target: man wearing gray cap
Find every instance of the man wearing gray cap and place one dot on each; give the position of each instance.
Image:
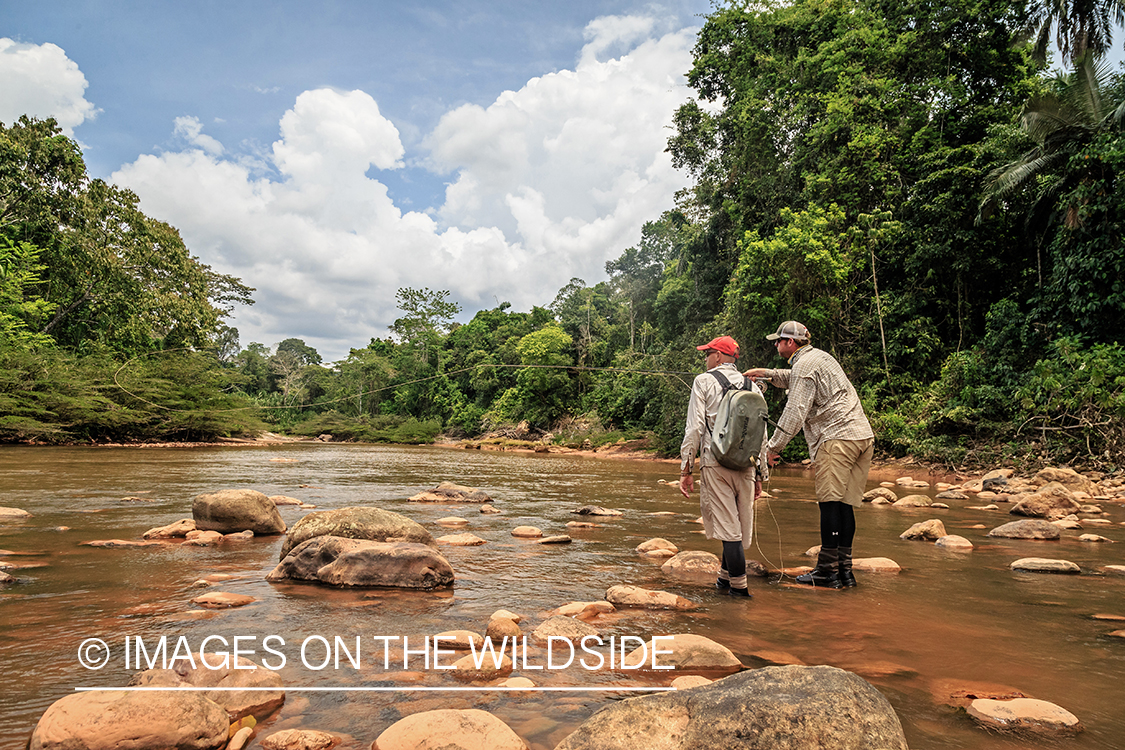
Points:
(824, 403)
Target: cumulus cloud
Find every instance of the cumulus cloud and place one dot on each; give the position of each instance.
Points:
(41, 81)
(546, 183)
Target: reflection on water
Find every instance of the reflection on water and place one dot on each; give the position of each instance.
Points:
(949, 619)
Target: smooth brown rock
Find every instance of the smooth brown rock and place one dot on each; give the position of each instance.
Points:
(222, 600)
(506, 614)
(1026, 715)
(527, 532)
(657, 547)
(931, 530)
(1029, 529)
(462, 640)
(234, 510)
(300, 739)
(13, 514)
(692, 566)
(449, 729)
(952, 541)
(285, 500)
(566, 628)
(466, 539)
(875, 565)
(1093, 538)
(774, 708)
(635, 596)
(882, 492)
(500, 628)
(200, 538)
(115, 719)
(177, 530)
(555, 539)
(118, 543)
(913, 501)
(582, 525)
(338, 561)
(1049, 501)
(1068, 478)
(688, 681)
(952, 495)
(1044, 565)
(374, 524)
(688, 652)
(596, 510)
(1114, 570)
(6, 578)
(466, 668)
(263, 689)
(452, 521)
(582, 610)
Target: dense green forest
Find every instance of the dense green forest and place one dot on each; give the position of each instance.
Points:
(907, 179)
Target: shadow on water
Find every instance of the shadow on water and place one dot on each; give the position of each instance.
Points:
(949, 621)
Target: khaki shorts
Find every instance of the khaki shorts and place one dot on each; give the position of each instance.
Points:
(841, 470)
(726, 502)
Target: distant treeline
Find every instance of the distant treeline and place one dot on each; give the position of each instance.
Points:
(905, 178)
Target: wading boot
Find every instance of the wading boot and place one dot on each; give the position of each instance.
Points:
(722, 584)
(826, 574)
(736, 592)
(847, 577)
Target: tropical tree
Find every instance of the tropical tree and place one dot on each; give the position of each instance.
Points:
(1080, 26)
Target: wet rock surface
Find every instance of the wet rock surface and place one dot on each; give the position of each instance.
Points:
(339, 561)
(226, 511)
(374, 524)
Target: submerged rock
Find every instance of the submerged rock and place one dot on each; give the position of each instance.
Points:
(774, 708)
(882, 492)
(913, 501)
(685, 652)
(339, 561)
(692, 566)
(931, 530)
(13, 514)
(1044, 565)
(566, 628)
(657, 547)
(234, 510)
(375, 524)
(300, 739)
(178, 530)
(953, 541)
(448, 492)
(596, 510)
(635, 596)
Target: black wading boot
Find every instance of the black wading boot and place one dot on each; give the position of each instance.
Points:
(826, 574)
(847, 577)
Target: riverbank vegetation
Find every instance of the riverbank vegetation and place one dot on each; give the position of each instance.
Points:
(909, 180)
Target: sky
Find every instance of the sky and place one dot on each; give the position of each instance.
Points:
(330, 153)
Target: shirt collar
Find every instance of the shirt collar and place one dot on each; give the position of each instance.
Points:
(798, 353)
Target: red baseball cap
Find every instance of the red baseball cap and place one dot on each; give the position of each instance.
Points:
(724, 344)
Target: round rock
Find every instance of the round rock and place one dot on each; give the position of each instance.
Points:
(1044, 565)
(226, 511)
(375, 524)
(1024, 715)
(449, 729)
(1029, 529)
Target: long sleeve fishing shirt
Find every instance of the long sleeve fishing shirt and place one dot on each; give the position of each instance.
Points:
(821, 400)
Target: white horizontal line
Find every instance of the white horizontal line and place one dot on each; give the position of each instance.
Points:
(379, 689)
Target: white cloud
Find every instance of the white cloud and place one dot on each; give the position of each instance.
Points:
(548, 182)
(41, 81)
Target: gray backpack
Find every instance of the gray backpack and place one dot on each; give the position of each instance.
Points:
(740, 426)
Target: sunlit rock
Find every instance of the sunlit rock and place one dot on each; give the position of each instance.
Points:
(1044, 565)
(685, 652)
(448, 492)
(1029, 529)
(361, 562)
(596, 510)
(466, 539)
(657, 547)
(527, 532)
(1025, 715)
(913, 501)
(234, 510)
(930, 530)
(454, 729)
(953, 541)
(13, 514)
(692, 566)
(375, 524)
(566, 628)
(177, 530)
(635, 596)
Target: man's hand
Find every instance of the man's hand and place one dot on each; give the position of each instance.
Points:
(757, 488)
(757, 373)
(772, 458)
(687, 484)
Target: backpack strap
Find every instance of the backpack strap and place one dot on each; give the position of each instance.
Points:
(726, 386)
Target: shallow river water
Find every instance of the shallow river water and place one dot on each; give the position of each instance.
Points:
(948, 620)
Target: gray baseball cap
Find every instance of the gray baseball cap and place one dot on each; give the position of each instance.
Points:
(790, 329)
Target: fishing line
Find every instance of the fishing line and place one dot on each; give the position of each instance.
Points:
(361, 394)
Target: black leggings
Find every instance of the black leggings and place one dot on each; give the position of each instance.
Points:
(734, 559)
(837, 525)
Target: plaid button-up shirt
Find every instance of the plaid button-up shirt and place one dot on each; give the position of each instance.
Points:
(821, 399)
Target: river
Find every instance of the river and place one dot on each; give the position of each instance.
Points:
(947, 620)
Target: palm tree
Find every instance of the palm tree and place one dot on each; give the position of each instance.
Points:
(1080, 26)
(1060, 122)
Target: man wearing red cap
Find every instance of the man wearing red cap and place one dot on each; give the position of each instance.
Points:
(823, 403)
(726, 496)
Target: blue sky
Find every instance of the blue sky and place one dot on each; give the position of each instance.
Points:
(329, 153)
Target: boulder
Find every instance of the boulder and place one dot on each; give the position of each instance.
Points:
(115, 719)
(952, 541)
(692, 566)
(927, 530)
(774, 708)
(448, 492)
(1044, 565)
(913, 501)
(13, 514)
(688, 652)
(882, 492)
(178, 530)
(242, 688)
(300, 739)
(635, 596)
(1052, 500)
(1024, 715)
(375, 524)
(1030, 529)
(449, 729)
(657, 547)
(527, 532)
(1069, 478)
(234, 510)
(339, 561)
(566, 628)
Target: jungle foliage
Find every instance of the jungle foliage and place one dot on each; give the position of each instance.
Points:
(906, 178)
